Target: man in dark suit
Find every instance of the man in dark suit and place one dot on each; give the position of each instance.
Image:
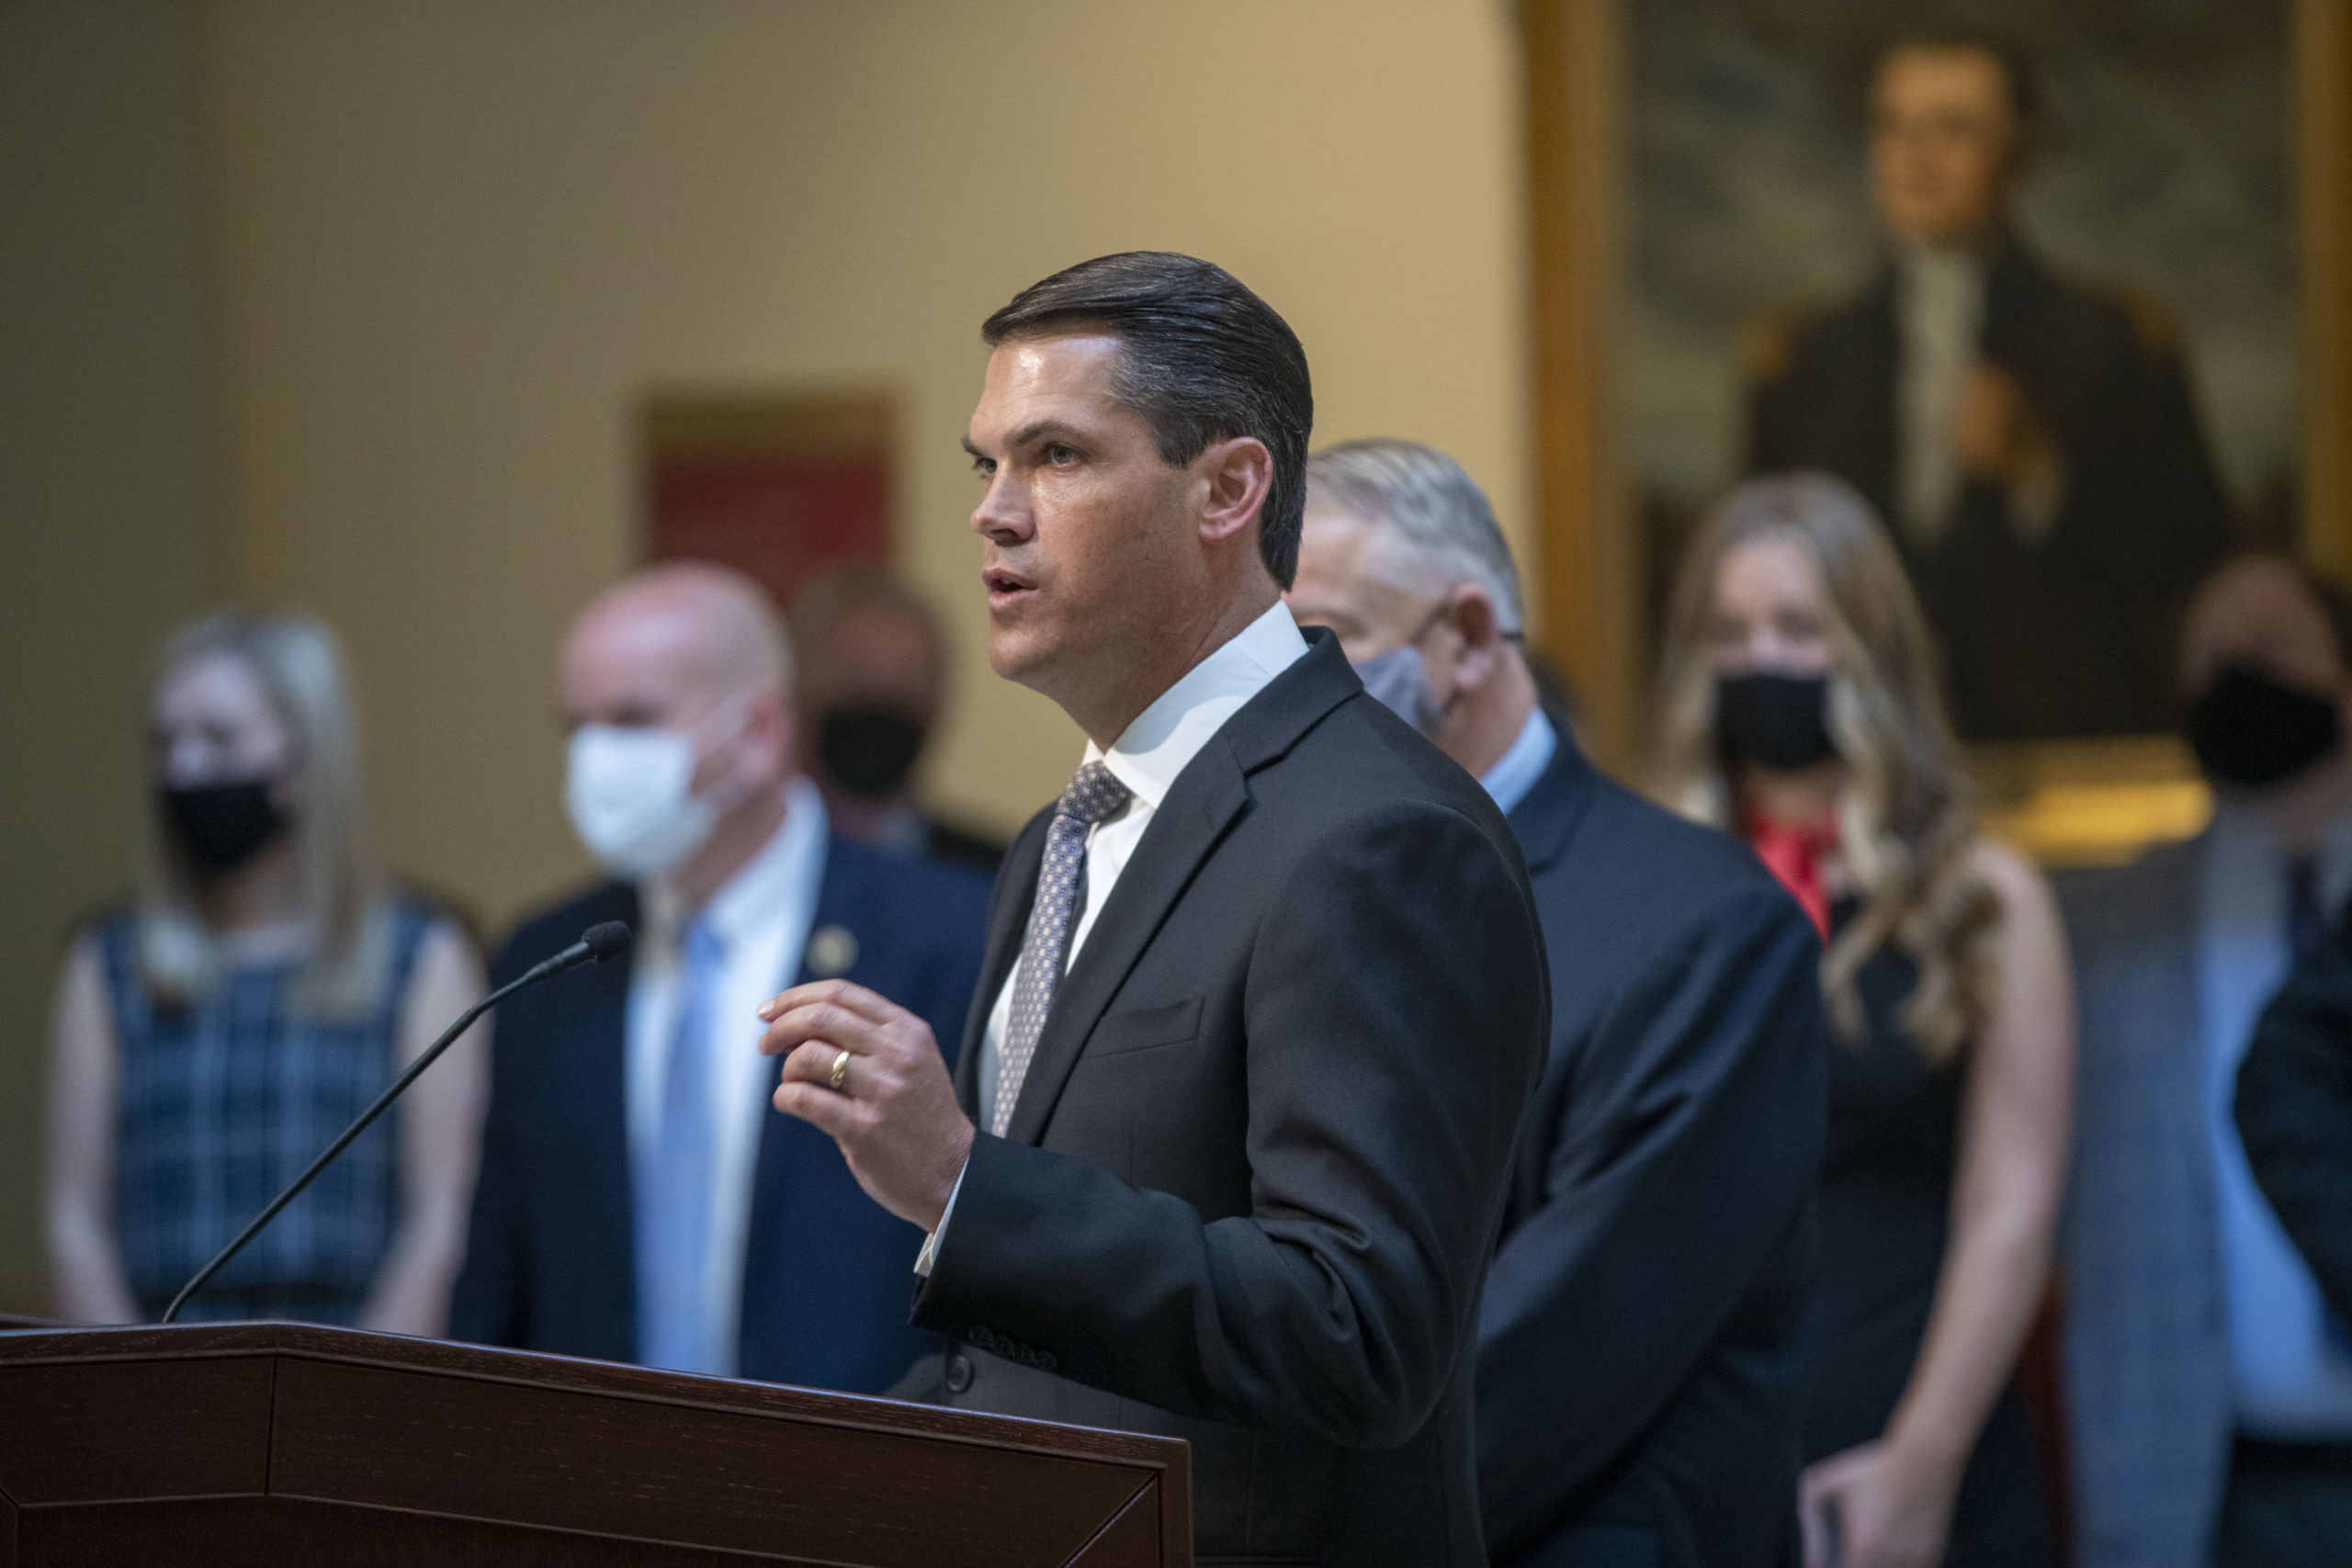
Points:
(2031, 442)
(639, 1200)
(1263, 997)
(2294, 1112)
(1640, 1370)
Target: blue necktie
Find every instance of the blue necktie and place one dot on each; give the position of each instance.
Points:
(674, 1185)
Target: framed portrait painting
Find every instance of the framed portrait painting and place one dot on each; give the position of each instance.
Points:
(2070, 381)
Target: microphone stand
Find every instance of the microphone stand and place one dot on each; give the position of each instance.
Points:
(579, 952)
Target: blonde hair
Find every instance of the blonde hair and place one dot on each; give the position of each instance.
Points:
(1905, 822)
(295, 659)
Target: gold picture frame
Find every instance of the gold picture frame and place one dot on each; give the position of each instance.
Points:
(2068, 802)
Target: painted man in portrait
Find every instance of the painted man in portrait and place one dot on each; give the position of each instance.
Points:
(2029, 439)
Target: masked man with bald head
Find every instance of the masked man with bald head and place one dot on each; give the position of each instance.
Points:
(639, 1200)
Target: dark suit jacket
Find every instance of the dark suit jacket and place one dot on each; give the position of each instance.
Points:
(2294, 1114)
(549, 1262)
(1640, 1366)
(2074, 635)
(1257, 1164)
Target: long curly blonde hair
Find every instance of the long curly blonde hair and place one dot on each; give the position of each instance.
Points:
(1906, 821)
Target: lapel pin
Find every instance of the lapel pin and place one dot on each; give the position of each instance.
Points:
(832, 951)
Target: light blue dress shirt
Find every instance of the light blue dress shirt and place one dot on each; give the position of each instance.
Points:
(1516, 771)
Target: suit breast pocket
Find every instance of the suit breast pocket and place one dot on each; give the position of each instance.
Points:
(1145, 1029)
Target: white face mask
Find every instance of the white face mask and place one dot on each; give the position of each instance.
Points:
(630, 794)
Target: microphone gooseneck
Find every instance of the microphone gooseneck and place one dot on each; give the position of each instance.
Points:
(597, 943)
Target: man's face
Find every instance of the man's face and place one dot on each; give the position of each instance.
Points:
(1087, 541)
(875, 657)
(644, 664)
(1944, 143)
(1338, 585)
(2257, 615)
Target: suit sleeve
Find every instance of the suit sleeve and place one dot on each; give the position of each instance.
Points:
(1394, 1010)
(487, 1306)
(1696, 1112)
(2294, 1114)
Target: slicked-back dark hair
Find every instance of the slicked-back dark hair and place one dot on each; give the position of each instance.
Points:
(1200, 359)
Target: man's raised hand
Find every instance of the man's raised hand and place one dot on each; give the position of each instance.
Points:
(867, 1072)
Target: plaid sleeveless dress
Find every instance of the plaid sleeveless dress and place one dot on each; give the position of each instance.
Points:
(223, 1102)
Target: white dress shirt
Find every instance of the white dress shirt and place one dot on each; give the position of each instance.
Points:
(1941, 314)
(762, 916)
(1147, 758)
(2292, 1377)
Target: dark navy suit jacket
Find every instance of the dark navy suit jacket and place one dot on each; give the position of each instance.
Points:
(1640, 1364)
(828, 1272)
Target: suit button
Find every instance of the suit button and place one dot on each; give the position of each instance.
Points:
(1046, 1362)
(981, 1338)
(959, 1372)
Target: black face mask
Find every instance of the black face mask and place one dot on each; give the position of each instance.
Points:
(223, 824)
(869, 751)
(2250, 730)
(1775, 720)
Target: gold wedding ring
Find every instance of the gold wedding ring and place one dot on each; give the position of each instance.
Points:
(841, 1073)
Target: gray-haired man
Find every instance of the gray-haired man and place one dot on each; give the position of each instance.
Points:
(1638, 1364)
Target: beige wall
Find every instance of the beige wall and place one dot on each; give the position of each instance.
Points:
(351, 305)
(457, 241)
(107, 504)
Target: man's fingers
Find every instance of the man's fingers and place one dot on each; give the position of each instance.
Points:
(865, 1004)
(822, 1020)
(813, 1062)
(836, 1116)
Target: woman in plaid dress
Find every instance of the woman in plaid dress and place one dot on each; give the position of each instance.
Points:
(214, 1033)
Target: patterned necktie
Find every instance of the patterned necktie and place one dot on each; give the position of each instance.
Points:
(2306, 921)
(1094, 794)
(674, 1185)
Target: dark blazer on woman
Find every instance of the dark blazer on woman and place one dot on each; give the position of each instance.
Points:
(1640, 1365)
(550, 1259)
(1255, 1170)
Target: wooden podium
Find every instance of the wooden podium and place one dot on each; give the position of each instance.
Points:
(252, 1444)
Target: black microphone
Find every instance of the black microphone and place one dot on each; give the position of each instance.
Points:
(596, 944)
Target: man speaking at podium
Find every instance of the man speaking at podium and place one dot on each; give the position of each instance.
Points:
(1263, 996)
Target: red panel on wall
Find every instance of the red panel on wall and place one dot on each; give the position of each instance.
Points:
(776, 486)
(780, 519)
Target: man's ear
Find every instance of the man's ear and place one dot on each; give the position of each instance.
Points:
(1480, 627)
(1236, 477)
(769, 731)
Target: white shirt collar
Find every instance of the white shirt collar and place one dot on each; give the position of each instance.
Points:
(763, 885)
(1166, 736)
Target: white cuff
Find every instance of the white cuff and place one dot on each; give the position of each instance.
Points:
(929, 1252)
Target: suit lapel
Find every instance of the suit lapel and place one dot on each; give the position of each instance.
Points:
(602, 1077)
(1547, 818)
(837, 905)
(1205, 799)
